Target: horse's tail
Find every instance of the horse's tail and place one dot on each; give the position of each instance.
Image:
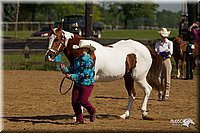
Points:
(153, 74)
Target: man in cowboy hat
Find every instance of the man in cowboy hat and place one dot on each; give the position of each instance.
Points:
(82, 73)
(165, 49)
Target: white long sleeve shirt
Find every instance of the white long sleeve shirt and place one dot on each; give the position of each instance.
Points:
(167, 46)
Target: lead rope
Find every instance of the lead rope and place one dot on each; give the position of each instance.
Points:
(72, 83)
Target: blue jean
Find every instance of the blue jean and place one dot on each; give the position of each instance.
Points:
(80, 96)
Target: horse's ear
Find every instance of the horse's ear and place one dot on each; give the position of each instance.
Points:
(60, 27)
(50, 27)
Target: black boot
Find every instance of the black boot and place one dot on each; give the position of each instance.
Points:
(187, 77)
(191, 76)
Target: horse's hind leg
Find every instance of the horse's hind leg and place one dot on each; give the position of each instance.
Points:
(129, 84)
(182, 67)
(147, 90)
(177, 68)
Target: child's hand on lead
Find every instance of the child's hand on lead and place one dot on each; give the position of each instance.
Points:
(62, 67)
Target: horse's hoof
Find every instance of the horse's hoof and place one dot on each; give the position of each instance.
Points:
(147, 118)
(74, 117)
(124, 116)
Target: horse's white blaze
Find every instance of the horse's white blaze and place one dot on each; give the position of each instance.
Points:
(51, 39)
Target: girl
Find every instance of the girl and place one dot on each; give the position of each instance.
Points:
(82, 73)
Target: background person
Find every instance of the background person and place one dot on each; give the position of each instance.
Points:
(165, 49)
(195, 31)
(183, 29)
(82, 73)
(189, 60)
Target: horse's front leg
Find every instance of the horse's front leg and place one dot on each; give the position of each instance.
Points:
(129, 84)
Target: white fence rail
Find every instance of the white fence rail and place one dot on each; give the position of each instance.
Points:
(24, 26)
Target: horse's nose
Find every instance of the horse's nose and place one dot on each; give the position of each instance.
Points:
(49, 56)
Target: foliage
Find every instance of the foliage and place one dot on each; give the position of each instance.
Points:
(130, 13)
(9, 12)
(48, 12)
(111, 13)
(168, 19)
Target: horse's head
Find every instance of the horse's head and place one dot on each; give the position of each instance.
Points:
(59, 41)
(178, 40)
(179, 46)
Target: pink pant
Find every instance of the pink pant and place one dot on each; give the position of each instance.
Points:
(80, 96)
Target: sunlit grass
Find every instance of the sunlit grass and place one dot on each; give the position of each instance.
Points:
(107, 34)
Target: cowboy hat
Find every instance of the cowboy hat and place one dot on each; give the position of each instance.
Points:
(84, 44)
(163, 32)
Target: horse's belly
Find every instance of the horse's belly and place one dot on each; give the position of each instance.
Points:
(101, 77)
(110, 74)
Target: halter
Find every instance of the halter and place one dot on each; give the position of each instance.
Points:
(63, 42)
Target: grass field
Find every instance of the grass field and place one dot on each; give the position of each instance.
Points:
(135, 34)
(108, 34)
(16, 61)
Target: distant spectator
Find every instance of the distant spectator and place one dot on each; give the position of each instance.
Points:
(189, 60)
(183, 29)
(195, 31)
(165, 49)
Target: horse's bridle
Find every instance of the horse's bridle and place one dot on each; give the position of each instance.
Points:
(62, 43)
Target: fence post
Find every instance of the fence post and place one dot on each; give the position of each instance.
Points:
(16, 19)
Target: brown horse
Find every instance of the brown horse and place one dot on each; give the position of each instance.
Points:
(179, 53)
(126, 59)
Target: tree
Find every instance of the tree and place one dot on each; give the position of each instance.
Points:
(168, 19)
(48, 11)
(131, 12)
(9, 12)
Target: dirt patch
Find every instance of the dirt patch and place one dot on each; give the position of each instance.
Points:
(32, 102)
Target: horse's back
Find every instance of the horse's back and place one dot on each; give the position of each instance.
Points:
(131, 46)
(111, 60)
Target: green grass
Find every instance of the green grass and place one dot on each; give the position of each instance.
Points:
(135, 34)
(20, 34)
(16, 61)
(108, 34)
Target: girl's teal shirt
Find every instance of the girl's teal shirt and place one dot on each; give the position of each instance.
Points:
(82, 70)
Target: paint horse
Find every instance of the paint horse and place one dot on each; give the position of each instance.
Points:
(179, 53)
(127, 58)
